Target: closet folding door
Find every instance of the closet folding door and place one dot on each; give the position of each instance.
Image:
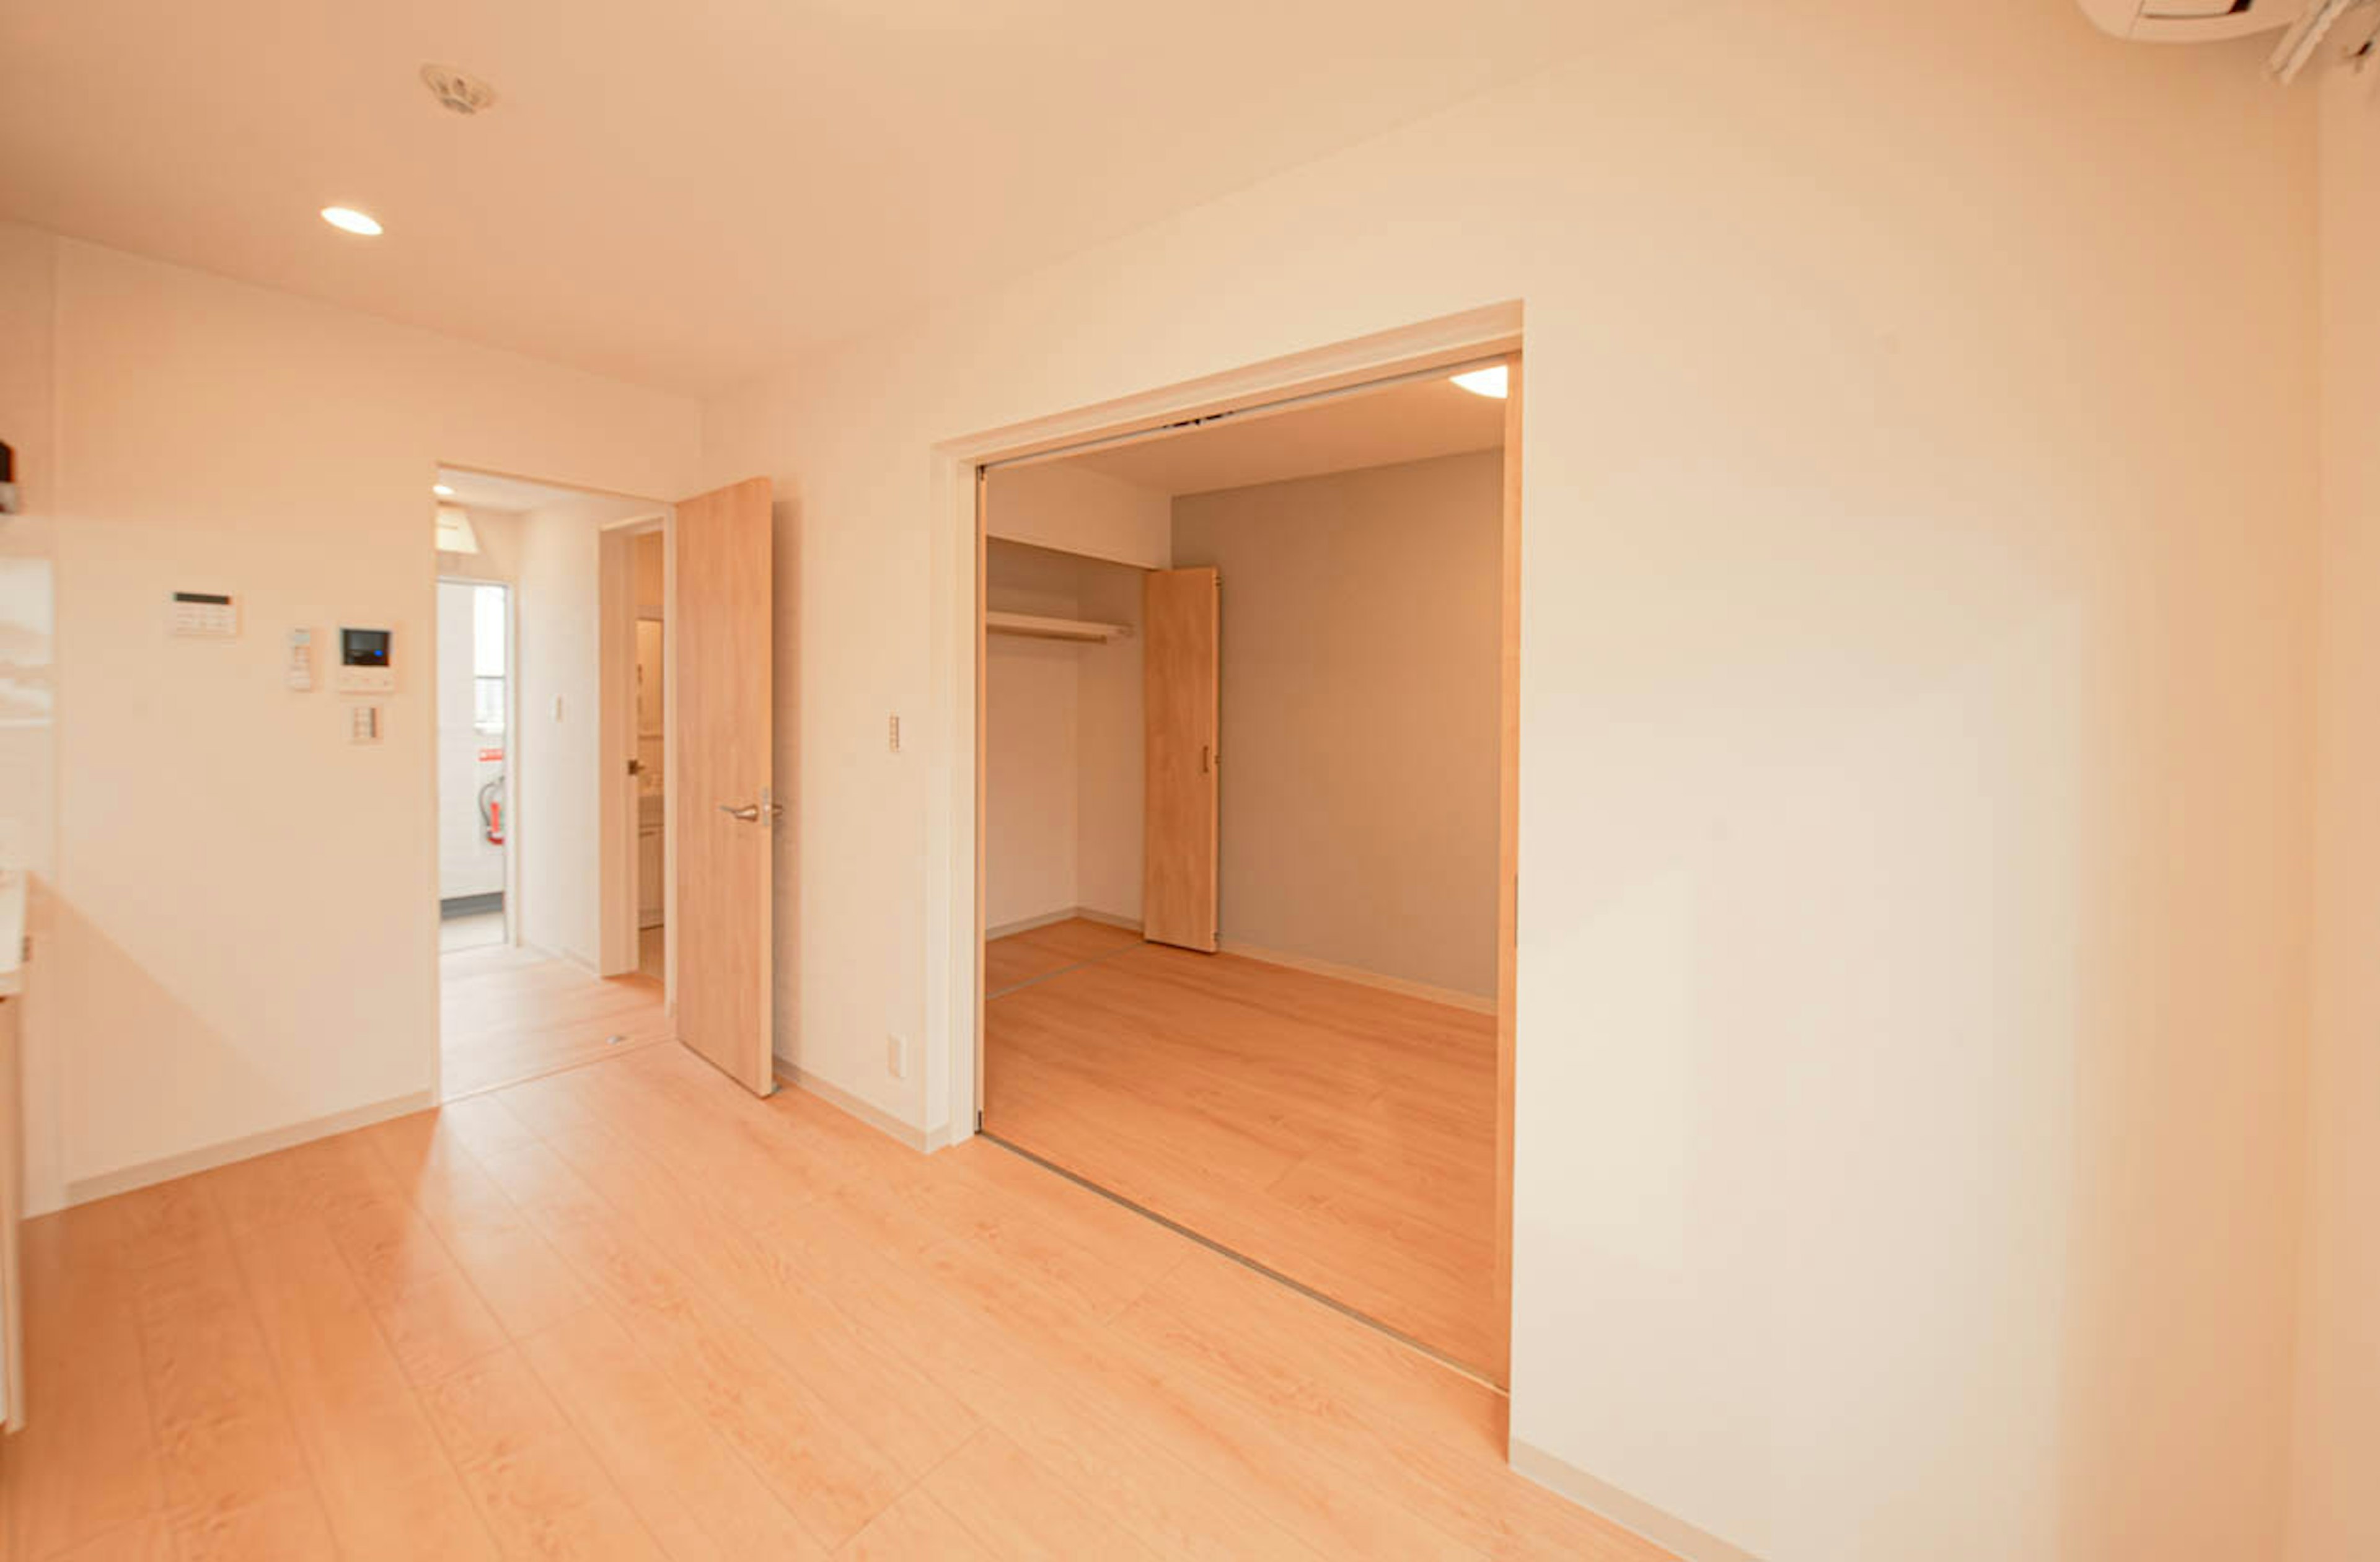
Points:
(1181, 620)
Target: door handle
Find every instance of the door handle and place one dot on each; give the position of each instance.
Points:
(768, 808)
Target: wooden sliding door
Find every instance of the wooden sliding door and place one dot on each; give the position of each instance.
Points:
(1180, 618)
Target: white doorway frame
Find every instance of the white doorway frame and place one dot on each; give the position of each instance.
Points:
(650, 512)
(954, 900)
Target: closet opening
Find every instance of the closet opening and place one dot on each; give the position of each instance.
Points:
(1247, 699)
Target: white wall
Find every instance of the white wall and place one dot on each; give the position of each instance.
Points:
(243, 935)
(1913, 858)
(28, 666)
(1111, 746)
(1361, 701)
(2336, 1506)
(1064, 741)
(1076, 510)
(558, 750)
(499, 554)
(1031, 761)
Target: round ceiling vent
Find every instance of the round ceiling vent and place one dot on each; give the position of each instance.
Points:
(461, 92)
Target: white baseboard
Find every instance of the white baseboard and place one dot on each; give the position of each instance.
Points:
(1631, 1514)
(920, 1140)
(1027, 924)
(1448, 996)
(1052, 919)
(126, 1179)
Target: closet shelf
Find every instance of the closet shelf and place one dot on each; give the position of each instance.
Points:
(1051, 628)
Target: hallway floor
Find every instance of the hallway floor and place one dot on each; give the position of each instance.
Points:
(627, 1310)
(507, 1014)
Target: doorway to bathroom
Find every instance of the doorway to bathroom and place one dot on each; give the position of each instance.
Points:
(475, 686)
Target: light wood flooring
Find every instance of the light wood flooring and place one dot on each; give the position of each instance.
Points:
(507, 1014)
(1338, 1134)
(629, 1311)
(474, 931)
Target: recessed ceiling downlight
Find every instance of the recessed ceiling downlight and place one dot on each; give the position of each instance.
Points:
(347, 219)
(1485, 381)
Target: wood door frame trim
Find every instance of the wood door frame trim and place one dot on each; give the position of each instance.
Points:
(953, 1059)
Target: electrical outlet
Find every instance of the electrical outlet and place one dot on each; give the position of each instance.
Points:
(896, 1057)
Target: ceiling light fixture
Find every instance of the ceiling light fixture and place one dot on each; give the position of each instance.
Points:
(1492, 382)
(441, 490)
(347, 219)
(456, 90)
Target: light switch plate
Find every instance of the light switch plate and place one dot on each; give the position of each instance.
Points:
(203, 615)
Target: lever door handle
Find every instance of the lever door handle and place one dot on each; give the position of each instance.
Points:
(768, 808)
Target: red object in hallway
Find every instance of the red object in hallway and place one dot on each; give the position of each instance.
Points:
(496, 830)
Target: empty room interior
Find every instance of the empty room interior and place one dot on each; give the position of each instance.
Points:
(1257, 996)
(1023, 782)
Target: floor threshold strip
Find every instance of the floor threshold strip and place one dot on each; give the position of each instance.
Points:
(1244, 1261)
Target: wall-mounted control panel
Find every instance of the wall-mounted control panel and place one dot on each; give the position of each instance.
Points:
(364, 723)
(365, 664)
(203, 615)
(300, 675)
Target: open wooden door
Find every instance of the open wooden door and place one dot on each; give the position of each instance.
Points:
(1180, 614)
(724, 785)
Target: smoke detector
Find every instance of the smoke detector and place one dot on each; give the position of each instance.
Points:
(462, 93)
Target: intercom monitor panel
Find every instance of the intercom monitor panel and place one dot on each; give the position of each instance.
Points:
(365, 666)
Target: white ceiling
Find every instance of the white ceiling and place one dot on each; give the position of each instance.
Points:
(688, 195)
(1412, 421)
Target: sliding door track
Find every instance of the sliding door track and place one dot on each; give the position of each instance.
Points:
(1244, 1261)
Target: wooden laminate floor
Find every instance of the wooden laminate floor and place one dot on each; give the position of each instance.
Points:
(506, 1014)
(1338, 1134)
(629, 1311)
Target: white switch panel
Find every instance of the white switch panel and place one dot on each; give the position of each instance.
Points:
(363, 724)
(206, 615)
(300, 675)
